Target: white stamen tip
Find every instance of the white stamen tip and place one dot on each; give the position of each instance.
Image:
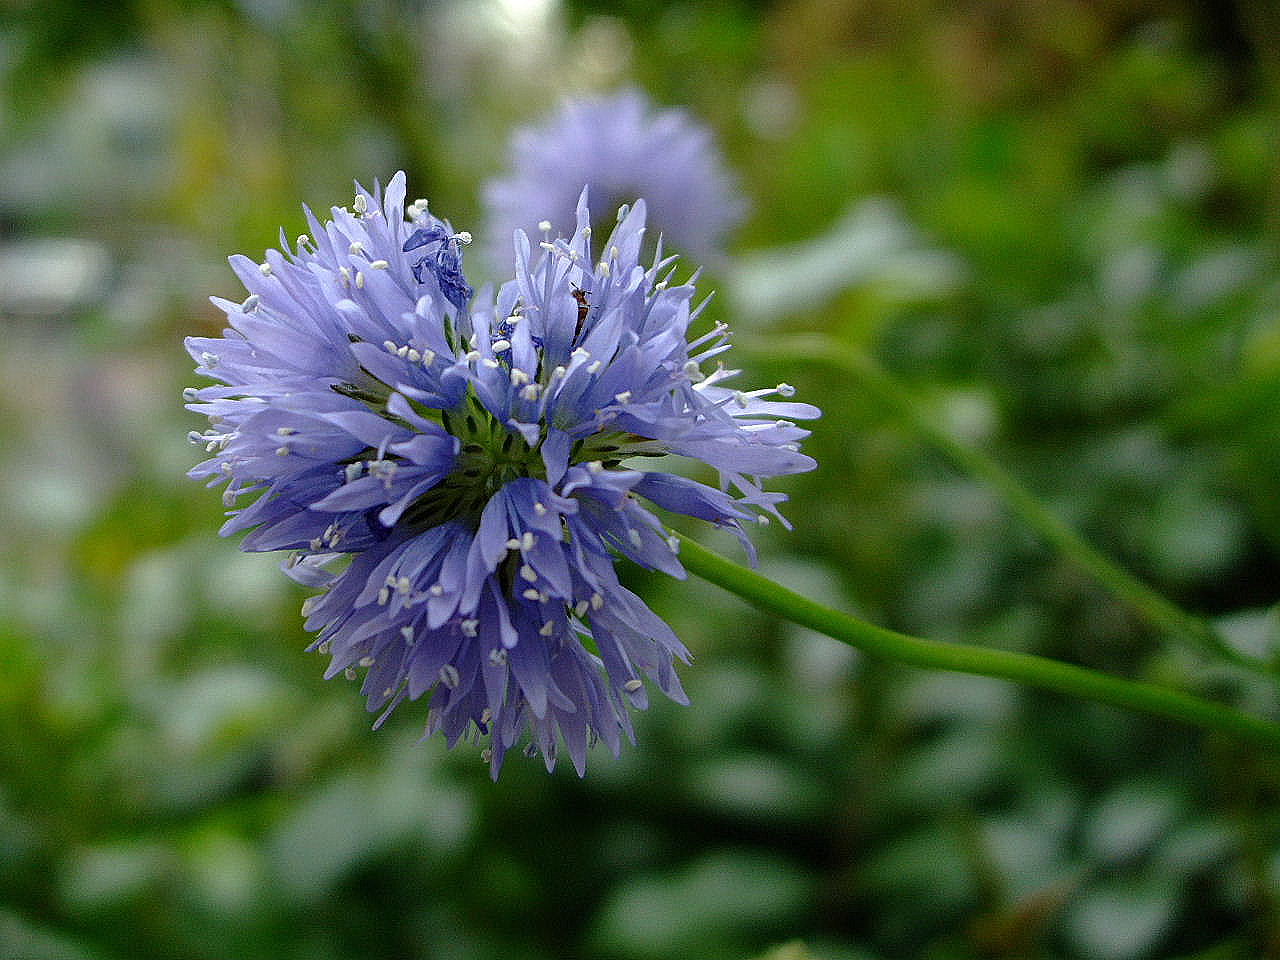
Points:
(548, 628)
(528, 573)
(469, 627)
(631, 686)
(449, 676)
(544, 226)
(379, 265)
(360, 204)
(786, 390)
(264, 269)
(356, 248)
(540, 508)
(597, 601)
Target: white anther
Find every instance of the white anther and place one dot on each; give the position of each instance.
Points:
(741, 398)
(579, 354)
(762, 520)
(403, 586)
(227, 468)
(530, 594)
(407, 634)
(428, 357)
(229, 497)
(631, 686)
(359, 280)
(491, 363)
(528, 540)
(473, 356)
(674, 544)
(209, 359)
(634, 536)
(286, 431)
(251, 303)
(498, 656)
(436, 590)
(660, 286)
(360, 204)
(314, 546)
(513, 544)
(530, 392)
(389, 346)
(325, 646)
(469, 627)
(422, 202)
(594, 366)
(366, 662)
(350, 673)
(586, 231)
(540, 508)
(623, 397)
(785, 390)
(595, 466)
(544, 226)
(378, 265)
(264, 269)
(519, 377)
(528, 573)
(558, 372)
(356, 248)
(549, 247)
(346, 275)
(353, 470)
(303, 240)
(464, 237)
(603, 267)
(449, 676)
(412, 355)
(499, 346)
(692, 371)
(597, 601)
(282, 451)
(548, 628)
(384, 595)
(402, 351)
(580, 608)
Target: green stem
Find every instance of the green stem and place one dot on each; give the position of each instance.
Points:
(1025, 668)
(1153, 607)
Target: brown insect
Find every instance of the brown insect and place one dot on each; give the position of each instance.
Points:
(583, 309)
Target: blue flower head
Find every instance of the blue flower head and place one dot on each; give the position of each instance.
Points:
(458, 474)
(620, 147)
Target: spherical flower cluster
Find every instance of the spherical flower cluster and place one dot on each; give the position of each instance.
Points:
(621, 148)
(458, 472)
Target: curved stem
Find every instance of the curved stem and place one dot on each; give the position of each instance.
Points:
(1152, 606)
(937, 655)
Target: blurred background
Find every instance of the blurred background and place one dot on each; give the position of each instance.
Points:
(1056, 222)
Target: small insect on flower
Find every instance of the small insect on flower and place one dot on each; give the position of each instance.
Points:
(455, 473)
(584, 308)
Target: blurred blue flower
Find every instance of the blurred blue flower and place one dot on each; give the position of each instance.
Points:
(457, 476)
(621, 148)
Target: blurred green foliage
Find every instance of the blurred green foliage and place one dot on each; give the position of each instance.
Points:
(1057, 222)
